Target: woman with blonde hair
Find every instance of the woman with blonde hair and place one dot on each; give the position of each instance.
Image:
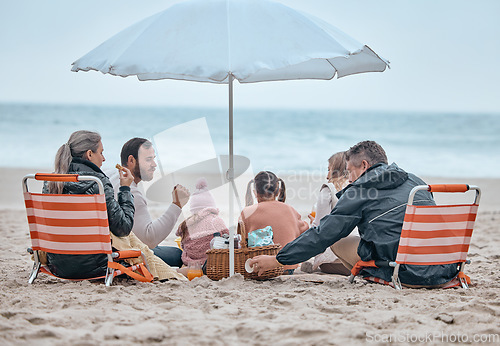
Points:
(337, 179)
(83, 155)
(271, 210)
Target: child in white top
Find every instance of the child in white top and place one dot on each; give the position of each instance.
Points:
(337, 180)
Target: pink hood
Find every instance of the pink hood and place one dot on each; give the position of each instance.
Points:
(201, 227)
(206, 222)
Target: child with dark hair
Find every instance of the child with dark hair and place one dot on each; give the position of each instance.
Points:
(271, 210)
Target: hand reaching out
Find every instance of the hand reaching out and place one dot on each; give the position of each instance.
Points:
(262, 263)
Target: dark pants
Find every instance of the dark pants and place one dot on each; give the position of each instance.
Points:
(77, 266)
(171, 255)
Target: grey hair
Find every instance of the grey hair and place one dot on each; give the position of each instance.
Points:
(78, 144)
(370, 151)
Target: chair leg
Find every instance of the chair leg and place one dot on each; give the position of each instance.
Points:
(395, 278)
(34, 272)
(35, 269)
(462, 280)
(110, 274)
(464, 284)
(144, 260)
(397, 283)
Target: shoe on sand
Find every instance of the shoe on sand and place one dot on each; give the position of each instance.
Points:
(307, 267)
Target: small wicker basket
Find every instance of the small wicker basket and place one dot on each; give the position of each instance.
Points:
(218, 259)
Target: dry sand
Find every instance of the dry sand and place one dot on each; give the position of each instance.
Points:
(307, 309)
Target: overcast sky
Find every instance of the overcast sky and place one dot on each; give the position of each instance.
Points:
(444, 57)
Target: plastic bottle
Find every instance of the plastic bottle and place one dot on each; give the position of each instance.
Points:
(312, 214)
(218, 242)
(237, 241)
(216, 234)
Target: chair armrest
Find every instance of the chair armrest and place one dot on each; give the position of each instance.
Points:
(126, 254)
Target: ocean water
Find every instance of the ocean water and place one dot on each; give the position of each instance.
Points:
(284, 141)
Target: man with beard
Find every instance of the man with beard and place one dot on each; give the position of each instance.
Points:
(138, 155)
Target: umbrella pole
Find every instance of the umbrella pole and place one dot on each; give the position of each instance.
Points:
(230, 177)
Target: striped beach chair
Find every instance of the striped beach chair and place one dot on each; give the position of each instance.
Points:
(74, 225)
(432, 235)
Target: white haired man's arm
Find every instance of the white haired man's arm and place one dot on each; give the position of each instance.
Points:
(153, 232)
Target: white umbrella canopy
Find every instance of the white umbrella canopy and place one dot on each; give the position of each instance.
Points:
(209, 40)
(217, 41)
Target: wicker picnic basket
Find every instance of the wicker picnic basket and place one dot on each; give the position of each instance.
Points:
(218, 259)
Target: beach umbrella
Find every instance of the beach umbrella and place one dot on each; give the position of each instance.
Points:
(218, 41)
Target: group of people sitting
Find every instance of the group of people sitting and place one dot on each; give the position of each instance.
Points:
(359, 214)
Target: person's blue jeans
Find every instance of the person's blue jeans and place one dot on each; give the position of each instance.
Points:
(171, 255)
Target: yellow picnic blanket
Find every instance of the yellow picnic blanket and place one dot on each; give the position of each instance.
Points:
(159, 269)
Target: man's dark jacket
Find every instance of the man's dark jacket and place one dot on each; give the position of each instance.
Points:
(120, 219)
(376, 204)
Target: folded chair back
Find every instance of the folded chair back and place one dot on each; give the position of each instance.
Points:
(73, 225)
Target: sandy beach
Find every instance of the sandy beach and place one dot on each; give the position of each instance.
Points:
(303, 309)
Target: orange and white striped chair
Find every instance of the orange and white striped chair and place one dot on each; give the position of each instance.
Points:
(74, 225)
(432, 235)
